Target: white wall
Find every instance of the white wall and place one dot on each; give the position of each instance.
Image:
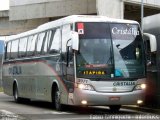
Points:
(27, 2)
(110, 8)
(13, 27)
(31, 9)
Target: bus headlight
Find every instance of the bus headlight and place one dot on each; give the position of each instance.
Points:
(139, 101)
(140, 87)
(84, 87)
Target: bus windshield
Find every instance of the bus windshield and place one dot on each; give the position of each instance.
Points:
(112, 50)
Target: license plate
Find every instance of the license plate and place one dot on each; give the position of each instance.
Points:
(114, 98)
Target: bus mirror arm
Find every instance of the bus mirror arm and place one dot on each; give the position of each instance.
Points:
(68, 55)
(75, 40)
(149, 63)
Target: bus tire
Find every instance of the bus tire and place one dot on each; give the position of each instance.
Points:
(16, 94)
(115, 108)
(56, 99)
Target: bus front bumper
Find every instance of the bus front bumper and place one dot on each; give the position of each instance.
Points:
(85, 97)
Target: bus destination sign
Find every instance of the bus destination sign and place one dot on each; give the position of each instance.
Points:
(94, 72)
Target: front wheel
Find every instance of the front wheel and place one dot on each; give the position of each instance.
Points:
(115, 108)
(56, 100)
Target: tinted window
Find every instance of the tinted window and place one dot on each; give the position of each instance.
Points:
(41, 38)
(14, 49)
(8, 50)
(93, 30)
(47, 38)
(95, 50)
(54, 45)
(22, 47)
(128, 50)
(31, 45)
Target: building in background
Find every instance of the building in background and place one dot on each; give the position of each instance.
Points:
(24, 15)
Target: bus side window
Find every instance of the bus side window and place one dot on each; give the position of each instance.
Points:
(54, 43)
(31, 45)
(14, 49)
(40, 41)
(45, 48)
(45, 43)
(65, 38)
(22, 47)
(8, 50)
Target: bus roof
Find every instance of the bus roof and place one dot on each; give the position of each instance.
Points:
(71, 19)
(83, 18)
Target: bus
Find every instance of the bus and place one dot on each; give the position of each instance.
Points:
(152, 27)
(79, 60)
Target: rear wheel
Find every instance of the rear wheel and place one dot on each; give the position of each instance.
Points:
(115, 108)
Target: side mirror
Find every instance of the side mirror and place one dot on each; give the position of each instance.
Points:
(75, 40)
(152, 42)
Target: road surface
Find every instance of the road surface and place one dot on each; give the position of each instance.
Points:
(38, 110)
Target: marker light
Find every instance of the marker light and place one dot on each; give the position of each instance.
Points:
(139, 101)
(84, 87)
(84, 102)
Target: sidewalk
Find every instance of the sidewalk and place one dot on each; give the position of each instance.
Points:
(143, 108)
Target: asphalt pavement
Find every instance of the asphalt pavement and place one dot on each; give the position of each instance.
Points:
(39, 110)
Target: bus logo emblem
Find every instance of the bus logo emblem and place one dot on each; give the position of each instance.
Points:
(80, 28)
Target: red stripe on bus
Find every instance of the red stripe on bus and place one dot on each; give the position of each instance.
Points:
(41, 61)
(56, 75)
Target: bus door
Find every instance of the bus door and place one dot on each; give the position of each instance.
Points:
(70, 66)
(67, 59)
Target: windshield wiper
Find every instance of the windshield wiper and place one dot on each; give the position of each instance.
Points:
(111, 57)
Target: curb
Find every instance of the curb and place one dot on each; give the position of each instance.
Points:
(145, 109)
